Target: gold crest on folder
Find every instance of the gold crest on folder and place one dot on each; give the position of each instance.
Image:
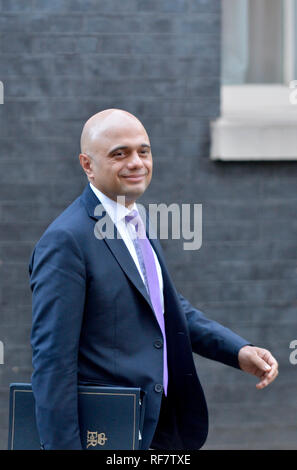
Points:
(94, 438)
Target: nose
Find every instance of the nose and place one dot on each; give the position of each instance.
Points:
(134, 161)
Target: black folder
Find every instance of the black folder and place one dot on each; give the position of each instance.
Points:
(110, 418)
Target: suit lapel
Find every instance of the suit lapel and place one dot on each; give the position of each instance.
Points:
(125, 260)
(116, 245)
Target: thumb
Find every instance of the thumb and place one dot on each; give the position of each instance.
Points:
(261, 364)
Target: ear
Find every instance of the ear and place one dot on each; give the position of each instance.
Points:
(86, 164)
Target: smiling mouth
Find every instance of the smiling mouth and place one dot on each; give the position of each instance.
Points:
(134, 177)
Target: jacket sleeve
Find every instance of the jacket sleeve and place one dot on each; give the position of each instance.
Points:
(210, 339)
(57, 280)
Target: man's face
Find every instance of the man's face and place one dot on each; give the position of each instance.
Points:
(121, 161)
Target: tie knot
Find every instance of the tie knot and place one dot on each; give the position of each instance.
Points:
(132, 216)
(134, 219)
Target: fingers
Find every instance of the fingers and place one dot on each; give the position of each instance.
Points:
(261, 364)
(266, 380)
(270, 375)
(267, 356)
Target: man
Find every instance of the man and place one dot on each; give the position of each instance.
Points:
(105, 310)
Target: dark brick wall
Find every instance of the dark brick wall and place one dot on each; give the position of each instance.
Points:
(61, 61)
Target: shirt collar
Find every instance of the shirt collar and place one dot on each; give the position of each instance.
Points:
(115, 210)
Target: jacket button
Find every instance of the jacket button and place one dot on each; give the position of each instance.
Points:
(158, 344)
(158, 388)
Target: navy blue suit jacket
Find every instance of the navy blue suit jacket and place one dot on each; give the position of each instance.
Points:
(93, 323)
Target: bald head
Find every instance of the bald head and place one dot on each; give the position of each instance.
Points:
(103, 123)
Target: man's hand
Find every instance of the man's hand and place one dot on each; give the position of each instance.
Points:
(259, 362)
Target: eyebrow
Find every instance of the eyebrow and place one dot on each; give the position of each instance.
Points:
(125, 147)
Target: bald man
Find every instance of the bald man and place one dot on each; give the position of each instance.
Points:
(106, 312)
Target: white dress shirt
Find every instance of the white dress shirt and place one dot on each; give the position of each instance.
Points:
(117, 213)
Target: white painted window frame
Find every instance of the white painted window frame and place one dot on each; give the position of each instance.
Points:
(259, 121)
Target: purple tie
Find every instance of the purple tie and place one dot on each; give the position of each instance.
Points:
(148, 267)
